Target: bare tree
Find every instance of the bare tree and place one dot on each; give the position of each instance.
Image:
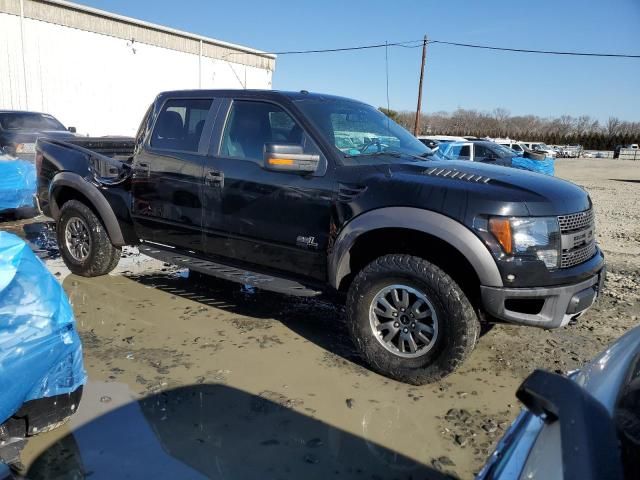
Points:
(501, 114)
(613, 126)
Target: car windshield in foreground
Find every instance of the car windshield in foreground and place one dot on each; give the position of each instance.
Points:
(362, 134)
(29, 121)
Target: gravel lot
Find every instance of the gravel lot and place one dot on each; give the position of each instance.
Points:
(236, 383)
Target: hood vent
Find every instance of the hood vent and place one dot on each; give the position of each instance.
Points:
(457, 174)
(348, 191)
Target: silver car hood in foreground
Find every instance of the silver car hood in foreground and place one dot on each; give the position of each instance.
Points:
(604, 375)
(531, 449)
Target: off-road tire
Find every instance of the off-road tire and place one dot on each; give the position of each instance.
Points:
(458, 324)
(103, 257)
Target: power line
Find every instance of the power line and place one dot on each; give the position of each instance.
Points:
(547, 52)
(344, 49)
(418, 44)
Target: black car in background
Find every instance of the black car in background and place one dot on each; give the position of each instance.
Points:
(19, 131)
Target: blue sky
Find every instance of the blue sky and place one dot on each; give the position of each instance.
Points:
(455, 77)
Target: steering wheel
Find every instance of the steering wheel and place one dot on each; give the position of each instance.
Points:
(375, 142)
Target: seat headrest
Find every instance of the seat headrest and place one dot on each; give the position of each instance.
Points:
(170, 125)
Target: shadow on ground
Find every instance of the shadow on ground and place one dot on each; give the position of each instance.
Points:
(625, 180)
(319, 320)
(216, 431)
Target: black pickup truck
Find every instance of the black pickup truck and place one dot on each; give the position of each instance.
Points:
(305, 194)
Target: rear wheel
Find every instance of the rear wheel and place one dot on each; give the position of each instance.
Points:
(410, 320)
(83, 241)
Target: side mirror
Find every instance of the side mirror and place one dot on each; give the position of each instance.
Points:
(289, 158)
(72, 129)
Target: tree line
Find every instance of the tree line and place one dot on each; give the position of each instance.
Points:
(563, 130)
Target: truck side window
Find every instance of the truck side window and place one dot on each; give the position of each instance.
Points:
(180, 123)
(252, 124)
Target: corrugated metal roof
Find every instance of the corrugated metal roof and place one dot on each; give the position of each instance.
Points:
(94, 20)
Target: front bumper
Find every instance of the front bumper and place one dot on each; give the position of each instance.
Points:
(34, 417)
(547, 307)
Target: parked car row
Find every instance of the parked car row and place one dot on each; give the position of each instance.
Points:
(503, 152)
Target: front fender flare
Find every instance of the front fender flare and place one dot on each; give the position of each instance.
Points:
(431, 223)
(98, 202)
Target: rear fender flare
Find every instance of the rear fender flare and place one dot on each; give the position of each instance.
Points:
(98, 202)
(431, 223)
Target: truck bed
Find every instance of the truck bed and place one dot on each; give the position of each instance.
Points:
(120, 148)
(107, 158)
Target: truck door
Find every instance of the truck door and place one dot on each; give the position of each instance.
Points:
(259, 217)
(167, 179)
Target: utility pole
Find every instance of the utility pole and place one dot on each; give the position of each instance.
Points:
(416, 128)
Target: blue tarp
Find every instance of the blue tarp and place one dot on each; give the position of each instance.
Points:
(40, 351)
(546, 166)
(17, 184)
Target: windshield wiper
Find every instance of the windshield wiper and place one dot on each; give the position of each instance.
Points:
(373, 154)
(391, 153)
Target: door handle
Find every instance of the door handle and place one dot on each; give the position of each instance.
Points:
(214, 178)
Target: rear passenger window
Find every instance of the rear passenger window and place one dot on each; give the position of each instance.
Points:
(180, 124)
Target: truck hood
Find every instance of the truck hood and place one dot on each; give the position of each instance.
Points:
(491, 189)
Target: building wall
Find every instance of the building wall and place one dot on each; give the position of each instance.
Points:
(103, 84)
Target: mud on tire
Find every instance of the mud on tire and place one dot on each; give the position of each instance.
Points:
(102, 257)
(457, 328)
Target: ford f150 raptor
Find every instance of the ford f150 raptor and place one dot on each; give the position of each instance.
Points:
(304, 193)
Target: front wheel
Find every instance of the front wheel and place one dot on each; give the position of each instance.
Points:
(410, 320)
(84, 244)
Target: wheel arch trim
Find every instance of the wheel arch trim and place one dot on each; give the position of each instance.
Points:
(411, 218)
(91, 192)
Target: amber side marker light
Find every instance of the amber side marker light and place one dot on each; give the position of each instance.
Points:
(280, 161)
(501, 229)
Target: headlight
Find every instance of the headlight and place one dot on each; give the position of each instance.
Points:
(26, 148)
(528, 237)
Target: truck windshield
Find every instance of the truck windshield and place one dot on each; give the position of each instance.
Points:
(362, 134)
(29, 121)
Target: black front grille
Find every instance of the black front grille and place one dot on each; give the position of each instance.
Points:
(576, 256)
(576, 221)
(575, 227)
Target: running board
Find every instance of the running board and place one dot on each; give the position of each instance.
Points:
(246, 277)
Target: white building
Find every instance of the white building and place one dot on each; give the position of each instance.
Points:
(99, 72)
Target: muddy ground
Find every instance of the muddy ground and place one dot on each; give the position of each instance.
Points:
(190, 379)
